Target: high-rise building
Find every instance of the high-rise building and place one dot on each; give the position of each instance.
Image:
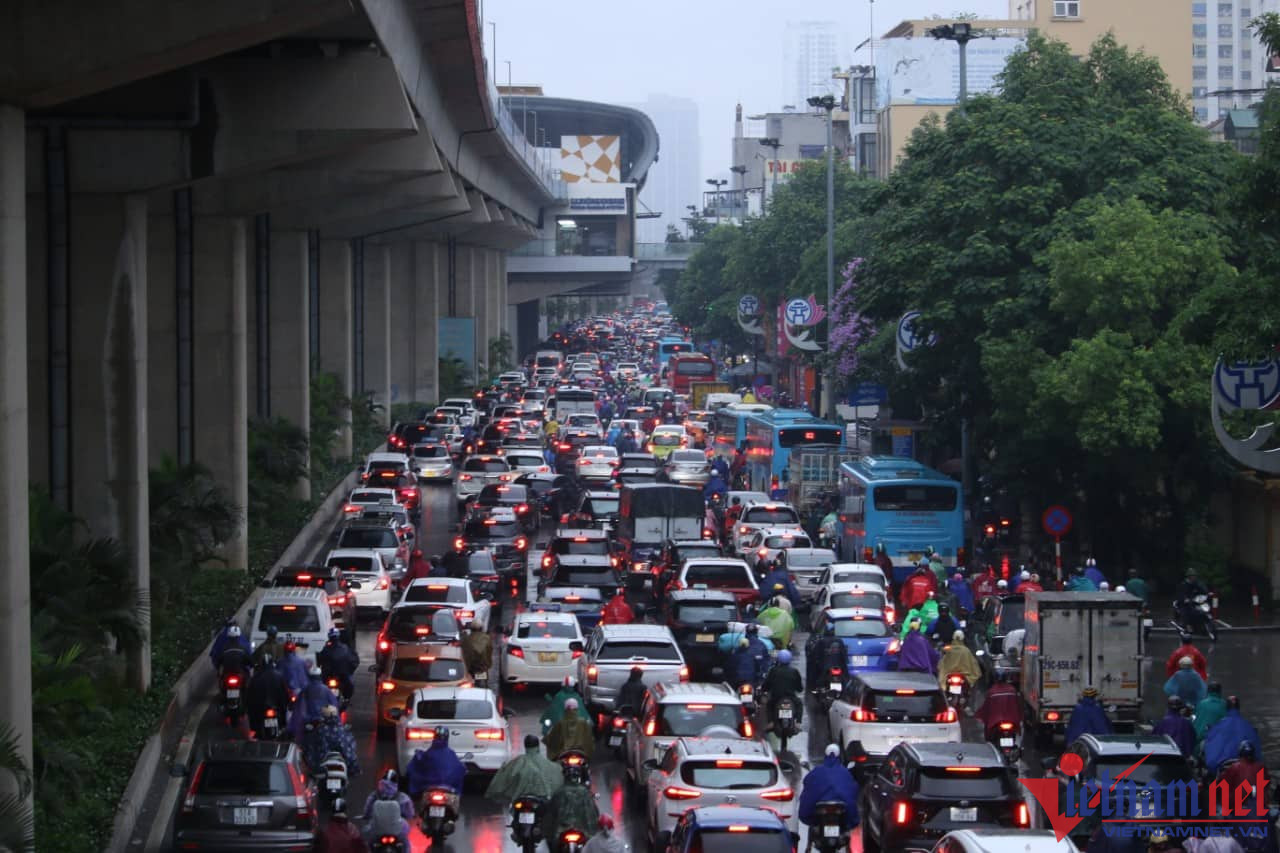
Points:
(810, 50)
(1227, 58)
(673, 181)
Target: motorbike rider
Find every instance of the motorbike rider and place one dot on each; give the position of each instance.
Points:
(340, 661)
(784, 680)
(917, 654)
(1187, 649)
(388, 812)
(556, 709)
(1186, 683)
(1190, 587)
(1079, 582)
(605, 841)
(271, 647)
(740, 668)
(830, 781)
(220, 642)
(1002, 704)
(884, 561)
(477, 649)
(266, 689)
(1137, 586)
(293, 668)
(957, 658)
(779, 620)
(1177, 726)
(1087, 717)
(331, 736)
(716, 485)
(573, 732)
(1093, 573)
(1246, 770)
(438, 766)
(631, 694)
(571, 807)
(419, 567)
(1222, 742)
(778, 574)
(1209, 710)
(961, 592)
(984, 585)
(759, 650)
(915, 590)
(938, 568)
(311, 702)
(617, 611)
(529, 775)
(944, 627)
(1031, 585)
(338, 834)
(236, 653)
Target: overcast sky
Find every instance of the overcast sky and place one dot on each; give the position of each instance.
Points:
(717, 52)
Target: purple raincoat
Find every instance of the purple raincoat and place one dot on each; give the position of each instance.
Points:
(917, 655)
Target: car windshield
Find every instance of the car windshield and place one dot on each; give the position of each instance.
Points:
(860, 628)
(290, 618)
(548, 630)
(627, 649)
(485, 466)
(408, 624)
(990, 783)
(455, 709)
(766, 516)
(717, 577)
(666, 439)
(689, 457)
(1013, 615)
(580, 545)
(369, 497)
(580, 597)
(688, 719)
(600, 506)
(809, 561)
(368, 537)
(705, 612)
(780, 542)
(359, 565)
(857, 598)
(525, 460)
(427, 668)
(245, 778)
(684, 552)
(500, 495)
(906, 704)
(729, 773)
(440, 593)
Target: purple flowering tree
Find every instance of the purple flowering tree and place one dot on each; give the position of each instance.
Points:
(849, 329)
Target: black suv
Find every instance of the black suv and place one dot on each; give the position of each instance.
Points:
(499, 531)
(555, 493)
(512, 496)
(342, 605)
(923, 791)
(697, 618)
(568, 446)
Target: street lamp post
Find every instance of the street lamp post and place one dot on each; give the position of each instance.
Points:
(717, 183)
(961, 33)
(693, 214)
(775, 144)
(828, 103)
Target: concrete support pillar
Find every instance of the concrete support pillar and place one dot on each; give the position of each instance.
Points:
(108, 358)
(403, 332)
(15, 580)
(497, 302)
(484, 325)
(336, 325)
(219, 336)
(290, 336)
(162, 333)
(430, 269)
(470, 280)
(377, 326)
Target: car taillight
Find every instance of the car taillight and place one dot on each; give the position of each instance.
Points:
(1022, 815)
(619, 722)
(947, 716)
(337, 601)
(459, 543)
(572, 837)
(748, 730)
(301, 802)
(673, 792)
(521, 509)
(1006, 727)
(955, 679)
(438, 796)
(650, 725)
(902, 813)
(385, 583)
(861, 715)
(1052, 716)
(521, 543)
(386, 686)
(786, 795)
(515, 651)
(419, 734)
(763, 552)
(332, 683)
(491, 734)
(466, 615)
(504, 478)
(384, 645)
(388, 841)
(894, 646)
(592, 674)
(465, 478)
(270, 714)
(744, 530)
(684, 673)
(546, 562)
(233, 681)
(577, 653)
(189, 802)
(351, 508)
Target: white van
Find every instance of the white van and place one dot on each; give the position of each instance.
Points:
(300, 614)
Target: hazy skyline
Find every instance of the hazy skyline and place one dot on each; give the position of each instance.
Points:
(717, 52)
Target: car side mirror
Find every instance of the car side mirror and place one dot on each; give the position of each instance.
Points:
(650, 764)
(507, 713)
(576, 646)
(395, 713)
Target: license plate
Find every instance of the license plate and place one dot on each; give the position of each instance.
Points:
(548, 657)
(964, 815)
(245, 817)
(435, 811)
(333, 784)
(270, 724)
(705, 638)
(1006, 741)
(233, 694)
(784, 713)
(835, 686)
(858, 660)
(527, 817)
(831, 831)
(953, 689)
(615, 740)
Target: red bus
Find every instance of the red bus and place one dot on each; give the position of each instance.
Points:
(689, 367)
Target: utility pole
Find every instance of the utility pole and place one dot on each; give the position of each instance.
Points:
(828, 103)
(775, 144)
(717, 183)
(961, 33)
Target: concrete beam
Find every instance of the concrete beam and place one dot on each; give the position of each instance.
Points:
(339, 214)
(403, 331)
(527, 290)
(426, 222)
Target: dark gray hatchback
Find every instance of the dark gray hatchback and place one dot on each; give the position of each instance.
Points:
(248, 795)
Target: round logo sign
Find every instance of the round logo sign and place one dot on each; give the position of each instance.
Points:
(1056, 520)
(799, 312)
(748, 305)
(1247, 385)
(908, 338)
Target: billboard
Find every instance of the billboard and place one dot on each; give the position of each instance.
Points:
(587, 197)
(591, 158)
(927, 70)
(456, 338)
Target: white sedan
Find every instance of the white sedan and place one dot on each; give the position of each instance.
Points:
(543, 647)
(597, 462)
(454, 593)
(478, 732)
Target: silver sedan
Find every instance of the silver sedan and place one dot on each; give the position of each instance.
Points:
(687, 468)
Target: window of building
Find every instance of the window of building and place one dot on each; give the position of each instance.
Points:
(1226, 72)
(1198, 10)
(1246, 53)
(1246, 12)
(1224, 51)
(1066, 8)
(1202, 114)
(1245, 74)
(1246, 35)
(1199, 51)
(1199, 30)
(1224, 31)
(1225, 10)
(1199, 72)
(1198, 92)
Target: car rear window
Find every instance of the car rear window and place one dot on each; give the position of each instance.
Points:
(581, 546)
(369, 497)
(688, 719)
(431, 451)
(584, 576)
(247, 778)
(427, 668)
(689, 457)
(601, 506)
(809, 561)
(628, 649)
(546, 631)
(379, 466)
(368, 537)
(405, 623)
(717, 577)
(455, 709)
(666, 439)
(843, 600)
(915, 706)
(787, 542)
(989, 783)
(289, 618)
(860, 628)
(582, 596)
(498, 529)
(751, 841)
(360, 565)
(436, 592)
(525, 460)
(698, 613)
(486, 466)
(764, 515)
(729, 773)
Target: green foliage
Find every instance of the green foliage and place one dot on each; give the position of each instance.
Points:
(330, 410)
(454, 380)
(192, 516)
(500, 350)
(17, 824)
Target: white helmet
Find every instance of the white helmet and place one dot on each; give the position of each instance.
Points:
(1002, 584)
(314, 671)
(1104, 586)
(1024, 575)
(233, 631)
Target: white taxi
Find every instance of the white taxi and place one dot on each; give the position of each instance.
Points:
(454, 593)
(543, 647)
(763, 516)
(597, 462)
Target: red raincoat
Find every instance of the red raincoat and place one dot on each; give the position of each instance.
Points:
(419, 567)
(1002, 705)
(617, 612)
(1030, 586)
(916, 589)
(983, 586)
(1198, 662)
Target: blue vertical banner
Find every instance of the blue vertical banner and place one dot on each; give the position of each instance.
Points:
(904, 444)
(457, 339)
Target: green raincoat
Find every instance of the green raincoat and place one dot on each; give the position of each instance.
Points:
(528, 775)
(1209, 710)
(555, 710)
(927, 613)
(571, 807)
(571, 733)
(780, 622)
(935, 563)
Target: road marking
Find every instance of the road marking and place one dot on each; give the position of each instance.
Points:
(1223, 624)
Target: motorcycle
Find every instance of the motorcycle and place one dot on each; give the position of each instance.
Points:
(270, 725)
(618, 730)
(333, 771)
(747, 695)
(784, 722)
(575, 760)
(1006, 739)
(826, 833)
(232, 706)
(439, 814)
(957, 691)
(525, 829)
(1196, 615)
(481, 680)
(386, 844)
(344, 700)
(829, 692)
(571, 841)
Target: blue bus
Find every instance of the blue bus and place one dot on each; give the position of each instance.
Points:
(770, 437)
(903, 504)
(668, 347)
(729, 427)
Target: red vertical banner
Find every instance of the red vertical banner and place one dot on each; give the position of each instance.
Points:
(783, 344)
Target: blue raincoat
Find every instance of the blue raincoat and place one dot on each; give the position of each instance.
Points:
(830, 781)
(715, 486)
(719, 466)
(963, 594)
(1222, 741)
(740, 668)
(332, 736)
(1188, 684)
(1087, 718)
(311, 704)
(917, 655)
(294, 669)
(1180, 729)
(1092, 573)
(435, 767)
(1081, 583)
(219, 643)
(779, 576)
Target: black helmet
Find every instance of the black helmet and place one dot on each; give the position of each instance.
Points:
(753, 630)
(1247, 750)
(1184, 637)
(1233, 703)
(1215, 687)
(944, 609)
(1176, 703)
(272, 630)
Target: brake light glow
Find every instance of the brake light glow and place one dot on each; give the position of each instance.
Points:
(1006, 727)
(465, 478)
(351, 508)
(684, 673)
(491, 734)
(1022, 815)
(419, 734)
(459, 543)
(963, 769)
(592, 673)
(233, 681)
(521, 543)
(650, 726)
(385, 583)
(860, 715)
(673, 792)
(573, 599)
(739, 827)
(304, 578)
(1053, 716)
(437, 797)
(902, 813)
(572, 837)
(705, 707)
(337, 601)
(728, 762)
(384, 645)
(955, 679)
(905, 692)
(947, 716)
(386, 686)
(784, 795)
(894, 646)
(270, 714)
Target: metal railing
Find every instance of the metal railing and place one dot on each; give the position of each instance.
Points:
(543, 161)
(563, 249)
